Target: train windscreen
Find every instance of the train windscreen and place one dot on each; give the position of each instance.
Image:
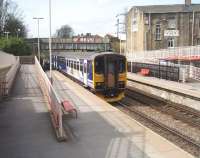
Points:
(122, 66)
(99, 65)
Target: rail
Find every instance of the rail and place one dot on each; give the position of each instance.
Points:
(53, 100)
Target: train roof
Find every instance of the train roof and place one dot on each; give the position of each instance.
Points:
(83, 55)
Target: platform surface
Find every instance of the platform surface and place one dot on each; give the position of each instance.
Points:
(102, 131)
(191, 89)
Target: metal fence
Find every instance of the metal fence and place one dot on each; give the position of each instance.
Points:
(159, 71)
(195, 73)
(155, 55)
(7, 78)
(53, 99)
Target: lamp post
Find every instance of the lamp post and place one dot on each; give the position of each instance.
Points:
(50, 41)
(18, 31)
(7, 32)
(38, 23)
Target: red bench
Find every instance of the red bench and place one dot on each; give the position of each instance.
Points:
(144, 72)
(68, 107)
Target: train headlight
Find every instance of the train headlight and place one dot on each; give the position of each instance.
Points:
(99, 85)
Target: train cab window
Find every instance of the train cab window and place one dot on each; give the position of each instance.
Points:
(122, 66)
(99, 65)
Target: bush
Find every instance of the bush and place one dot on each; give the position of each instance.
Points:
(15, 46)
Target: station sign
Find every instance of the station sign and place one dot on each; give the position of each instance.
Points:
(171, 33)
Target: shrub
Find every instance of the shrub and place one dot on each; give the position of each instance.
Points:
(15, 46)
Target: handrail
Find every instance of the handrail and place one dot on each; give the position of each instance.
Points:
(53, 100)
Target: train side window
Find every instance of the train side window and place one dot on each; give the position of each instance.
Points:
(81, 67)
(85, 67)
(71, 64)
(99, 65)
(67, 62)
(74, 65)
(122, 66)
(78, 63)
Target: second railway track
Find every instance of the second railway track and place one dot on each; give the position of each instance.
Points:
(176, 123)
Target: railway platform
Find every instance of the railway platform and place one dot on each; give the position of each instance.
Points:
(101, 130)
(187, 94)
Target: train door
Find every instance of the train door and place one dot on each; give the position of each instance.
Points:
(111, 72)
(85, 72)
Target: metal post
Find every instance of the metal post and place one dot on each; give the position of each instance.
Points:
(131, 31)
(38, 40)
(120, 47)
(7, 34)
(38, 23)
(50, 60)
(193, 28)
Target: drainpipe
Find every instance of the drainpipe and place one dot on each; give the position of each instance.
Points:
(193, 28)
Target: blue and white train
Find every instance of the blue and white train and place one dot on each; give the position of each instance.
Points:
(104, 73)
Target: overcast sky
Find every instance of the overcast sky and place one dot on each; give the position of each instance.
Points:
(95, 16)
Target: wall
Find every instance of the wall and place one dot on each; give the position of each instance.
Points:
(144, 37)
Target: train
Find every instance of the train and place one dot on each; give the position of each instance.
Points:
(103, 73)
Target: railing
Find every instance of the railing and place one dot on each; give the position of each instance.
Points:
(7, 79)
(155, 55)
(195, 73)
(156, 70)
(53, 100)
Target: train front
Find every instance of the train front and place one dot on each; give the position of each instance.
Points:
(110, 76)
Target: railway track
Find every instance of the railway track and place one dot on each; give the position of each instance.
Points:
(171, 121)
(179, 112)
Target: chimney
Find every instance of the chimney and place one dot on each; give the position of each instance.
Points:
(187, 2)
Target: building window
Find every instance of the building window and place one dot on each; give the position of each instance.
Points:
(134, 25)
(170, 43)
(172, 24)
(158, 31)
(199, 23)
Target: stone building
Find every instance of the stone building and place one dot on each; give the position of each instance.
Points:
(163, 26)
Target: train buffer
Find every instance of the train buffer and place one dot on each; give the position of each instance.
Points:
(144, 72)
(69, 108)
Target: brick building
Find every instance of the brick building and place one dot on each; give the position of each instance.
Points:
(163, 26)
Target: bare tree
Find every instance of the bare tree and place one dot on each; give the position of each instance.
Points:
(65, 31)
(8, 9)
(4, 5)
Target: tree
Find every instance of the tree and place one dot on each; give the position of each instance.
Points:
(65, 31)
(11, 15)
(15, 26)
(4, 5)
